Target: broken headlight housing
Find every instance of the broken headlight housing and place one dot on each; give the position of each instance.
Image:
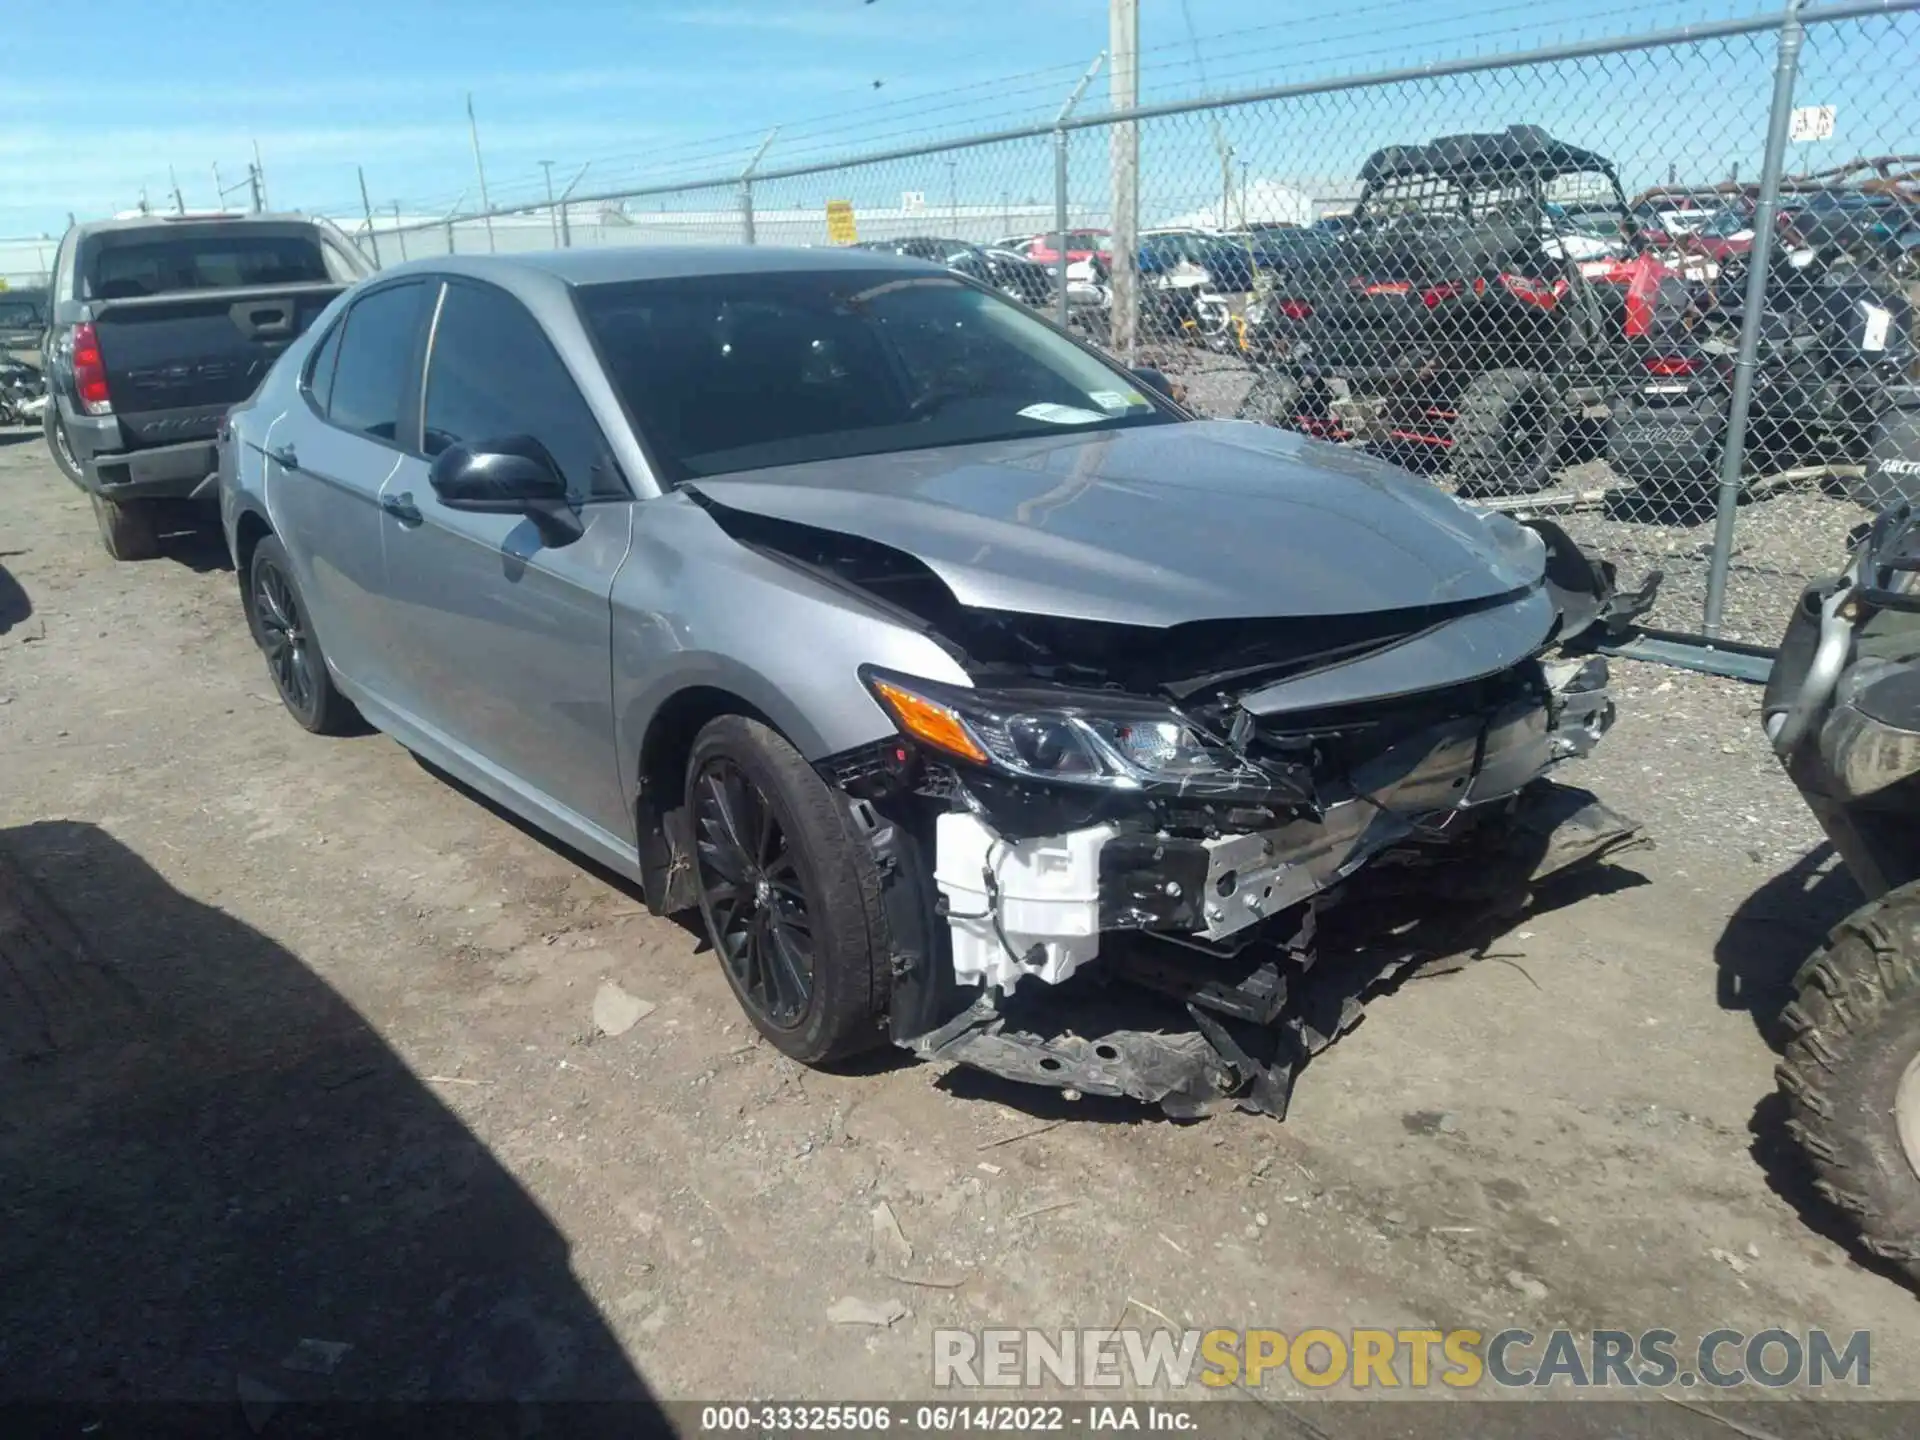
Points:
(1117, 742)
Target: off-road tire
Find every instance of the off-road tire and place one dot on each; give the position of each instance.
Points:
(1273, 399)
(1853, 1028)
(126, 528)
(851, 981)
(1507, 429)
(324, 710)
(58, 446)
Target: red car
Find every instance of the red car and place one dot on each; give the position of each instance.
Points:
(1081, 245)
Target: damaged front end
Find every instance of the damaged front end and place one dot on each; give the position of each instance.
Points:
(1125, 859)
(1147, 888)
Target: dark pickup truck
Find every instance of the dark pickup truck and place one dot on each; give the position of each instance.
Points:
(159, 325)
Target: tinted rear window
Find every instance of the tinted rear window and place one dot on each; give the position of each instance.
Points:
(211, 262)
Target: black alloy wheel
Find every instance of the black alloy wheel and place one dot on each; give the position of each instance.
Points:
(283, 629)
(284, 639)
(753, 895)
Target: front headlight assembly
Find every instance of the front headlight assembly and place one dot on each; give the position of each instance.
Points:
(1112, 742)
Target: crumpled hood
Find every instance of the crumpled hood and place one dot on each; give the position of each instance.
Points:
(1158, 525)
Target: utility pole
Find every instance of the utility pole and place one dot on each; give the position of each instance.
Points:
(1123, 41)
(1226, 188)
(259, 180)
(553, 215)
(398, 233)
(486, 206)
(219, 190)
(179, 200)
(953, 198)
(367, 206)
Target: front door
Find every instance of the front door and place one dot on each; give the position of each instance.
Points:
(498, 630)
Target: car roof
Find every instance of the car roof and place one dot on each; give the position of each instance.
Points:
(192, 220)
(613, 265)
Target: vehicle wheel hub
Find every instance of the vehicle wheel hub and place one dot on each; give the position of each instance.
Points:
(756, 905)
(1906, 1113)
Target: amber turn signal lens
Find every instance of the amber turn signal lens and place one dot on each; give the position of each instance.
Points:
(929, 723)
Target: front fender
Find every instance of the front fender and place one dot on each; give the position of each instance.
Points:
(694, 608)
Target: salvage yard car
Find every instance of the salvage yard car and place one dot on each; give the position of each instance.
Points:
(965, 684)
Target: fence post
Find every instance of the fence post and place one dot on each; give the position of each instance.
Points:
(367, 206)
(1123, 150)
(746, 188)
(1759, 260)
(1060, 187)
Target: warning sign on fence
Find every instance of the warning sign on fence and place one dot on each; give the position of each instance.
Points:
(840, 226)
(1811, 122)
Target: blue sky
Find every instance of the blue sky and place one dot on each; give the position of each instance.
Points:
(653, 88)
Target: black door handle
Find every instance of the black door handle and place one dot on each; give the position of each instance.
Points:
(402, 508)
(285, 457)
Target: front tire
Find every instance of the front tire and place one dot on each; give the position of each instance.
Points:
(788, 892)
(283, 629)
(1851, 1072)
(127, 530)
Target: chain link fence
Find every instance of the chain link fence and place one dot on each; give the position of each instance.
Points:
(1660, 288)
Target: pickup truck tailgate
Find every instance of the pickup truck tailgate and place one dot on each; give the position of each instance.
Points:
(176, 363)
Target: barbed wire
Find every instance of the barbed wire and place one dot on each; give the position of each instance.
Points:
(1029, 96)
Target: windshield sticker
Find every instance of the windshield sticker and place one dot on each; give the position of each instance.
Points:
(1061, 414)
(1113, 402)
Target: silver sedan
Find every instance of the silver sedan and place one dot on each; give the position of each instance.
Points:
(928, 652)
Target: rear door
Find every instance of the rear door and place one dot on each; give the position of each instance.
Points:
(501, 638)
(327, 460)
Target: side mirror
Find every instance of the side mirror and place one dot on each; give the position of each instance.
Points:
(1154, 380)
(509, 476)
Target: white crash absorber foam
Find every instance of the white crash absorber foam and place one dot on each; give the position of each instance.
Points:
(1045, 894)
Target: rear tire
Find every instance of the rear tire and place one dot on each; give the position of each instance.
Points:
(282, 627)
(1507, 431)
(1851, 1072)
(1273, 399)
(788, 892)
(58, 445)
(126, 528)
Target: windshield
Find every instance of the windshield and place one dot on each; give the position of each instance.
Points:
(1725, 223)
(726, 373)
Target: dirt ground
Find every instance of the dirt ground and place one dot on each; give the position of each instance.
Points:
(318, 1064)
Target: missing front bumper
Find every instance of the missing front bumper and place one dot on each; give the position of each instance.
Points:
(1195, 1032)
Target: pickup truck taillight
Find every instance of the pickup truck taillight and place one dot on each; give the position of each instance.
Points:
(90, 371)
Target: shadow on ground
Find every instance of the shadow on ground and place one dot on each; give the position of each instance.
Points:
(190, 535)
(218, 1183)
(15, 606)
(1773, 932)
